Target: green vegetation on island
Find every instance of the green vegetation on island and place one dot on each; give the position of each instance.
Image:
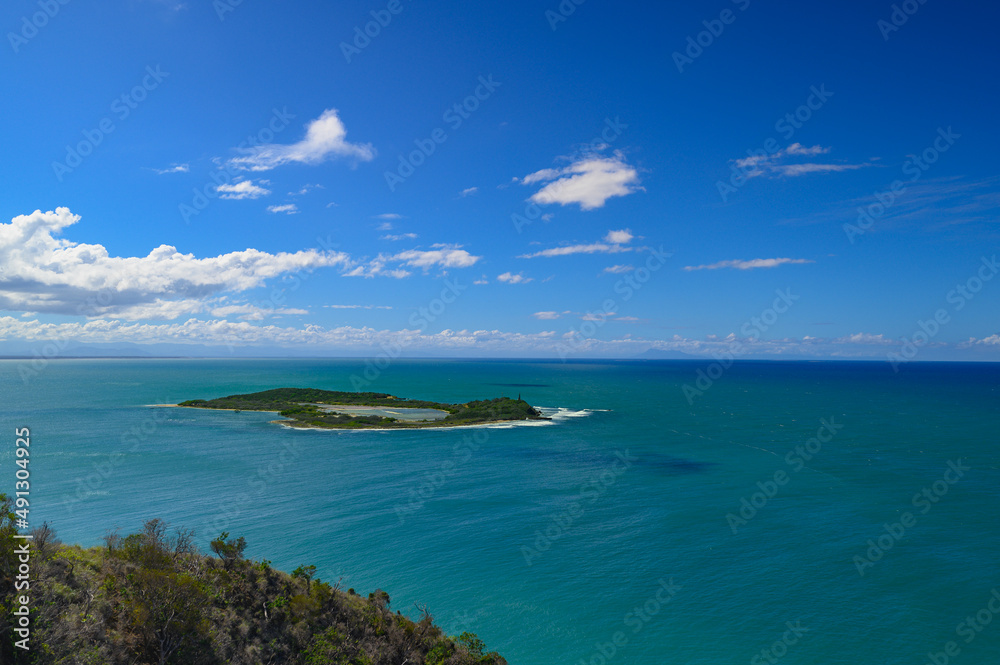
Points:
(309, 407)
(152, 598)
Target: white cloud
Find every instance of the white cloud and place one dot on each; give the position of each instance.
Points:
(613, 244)
(399, 236)
(388, 215)
(325, 139)
(239, 191)
(546, 316)
(288, 209)
(589, 182)
(175, 168)
(794, 150)
(618, 269)
(445, 256)
(865, 338)
(43, 273)
(440, 256)
(482, 280)
(306, 189)
(619, 237)
(748, 265)
(755, 166)
(972, 342)
(469, 191)
(377, 268)
(511, 278)
(793, 170)
(592, 248)
(799, 149)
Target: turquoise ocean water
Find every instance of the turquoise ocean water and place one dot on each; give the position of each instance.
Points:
(615, 523)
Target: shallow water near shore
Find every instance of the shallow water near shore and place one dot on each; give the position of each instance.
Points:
(635, 527)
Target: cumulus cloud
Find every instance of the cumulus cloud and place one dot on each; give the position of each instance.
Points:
(392, 265)
(326, 138)
(399, 236)
(511, 278)
(288, 209)
(619, 237)
(748, 265)
(377, 268)
(389, 215)
(444, 256)
(245, 189)
(612, 243)
(47, 274)
(546, 316)
(992, 340)
(588, 182)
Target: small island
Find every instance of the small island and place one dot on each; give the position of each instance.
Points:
(329, 409)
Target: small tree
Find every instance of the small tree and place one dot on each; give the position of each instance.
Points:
(380, 598)
(475, 645)
(45, 541)
(229, 549)
(305, 573)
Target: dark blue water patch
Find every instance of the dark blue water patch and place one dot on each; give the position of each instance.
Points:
(674, 465)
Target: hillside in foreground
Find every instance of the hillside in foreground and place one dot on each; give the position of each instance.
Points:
(152, 598)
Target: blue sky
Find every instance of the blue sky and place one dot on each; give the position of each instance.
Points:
(514, 179)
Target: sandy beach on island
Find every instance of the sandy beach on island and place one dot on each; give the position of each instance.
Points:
(498, 424)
